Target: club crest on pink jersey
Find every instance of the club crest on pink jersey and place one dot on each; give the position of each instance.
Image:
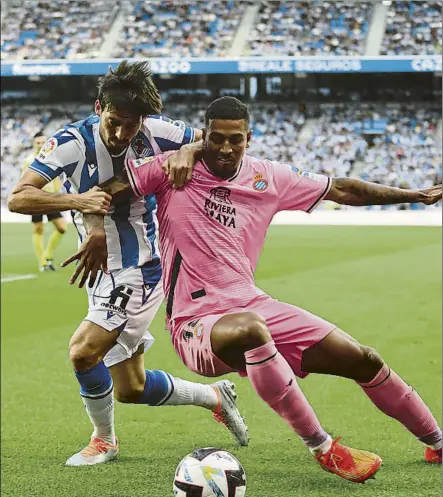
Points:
(260, 183)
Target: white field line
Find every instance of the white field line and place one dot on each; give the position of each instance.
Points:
(18, 277)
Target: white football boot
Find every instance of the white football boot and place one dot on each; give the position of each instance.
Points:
(96, 452)
(227, 411)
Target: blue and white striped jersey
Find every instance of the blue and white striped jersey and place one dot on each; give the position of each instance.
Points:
(78, 151)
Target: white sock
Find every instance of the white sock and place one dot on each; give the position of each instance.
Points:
(101, 414)
(322, 448)
(189, 393)
(436, 446)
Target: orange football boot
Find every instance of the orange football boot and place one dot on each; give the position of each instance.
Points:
(348, 463)
(432, 456)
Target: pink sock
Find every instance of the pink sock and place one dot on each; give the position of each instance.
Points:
(274, 381)
(400, 401)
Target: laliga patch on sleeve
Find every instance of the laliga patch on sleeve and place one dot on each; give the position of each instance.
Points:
(308, 174)
(312, 176)
(180, 124)
(140, 162)
(48, 148)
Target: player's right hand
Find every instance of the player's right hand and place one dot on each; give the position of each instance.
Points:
(94, 201)
(91, 256)
(431, 195)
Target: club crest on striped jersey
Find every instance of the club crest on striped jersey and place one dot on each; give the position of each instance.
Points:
(141, 145)
(260, 184)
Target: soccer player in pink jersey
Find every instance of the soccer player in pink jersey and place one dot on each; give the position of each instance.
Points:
(212, 232)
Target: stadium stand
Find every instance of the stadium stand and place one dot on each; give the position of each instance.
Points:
(310, 28)
(76, 29)
(71, 29)
(392, 144)
(180, 29)
(413, 28)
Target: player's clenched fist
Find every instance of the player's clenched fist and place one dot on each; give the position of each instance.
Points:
(94, 201)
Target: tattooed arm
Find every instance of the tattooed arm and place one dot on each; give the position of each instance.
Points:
(348, 191)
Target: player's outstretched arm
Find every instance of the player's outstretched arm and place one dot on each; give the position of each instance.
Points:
(348, 191)
(27, 197)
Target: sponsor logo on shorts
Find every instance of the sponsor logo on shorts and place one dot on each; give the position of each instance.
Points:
(260, 183)
(113, 309)
(219, 206)
(48, 148)
(193, 329)
(121, 294)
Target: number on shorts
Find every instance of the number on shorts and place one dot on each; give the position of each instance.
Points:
(121, 292)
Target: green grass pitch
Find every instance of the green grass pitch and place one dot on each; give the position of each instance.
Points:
(382, 285)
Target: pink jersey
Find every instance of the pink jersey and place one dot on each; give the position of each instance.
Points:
(212, 231)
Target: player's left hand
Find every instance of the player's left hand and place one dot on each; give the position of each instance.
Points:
(91, 256)
(431, 195)
(178, 167)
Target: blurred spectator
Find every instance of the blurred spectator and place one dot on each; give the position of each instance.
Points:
(43, 29)
(328, 138)
(310, 28)
(18, 125)
(156, 29)
(75, 29)
(407, 155)
(413, 28)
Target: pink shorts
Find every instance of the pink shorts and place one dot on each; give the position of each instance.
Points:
(293, 330)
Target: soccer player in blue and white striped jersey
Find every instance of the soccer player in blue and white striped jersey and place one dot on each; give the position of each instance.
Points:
(106, 350)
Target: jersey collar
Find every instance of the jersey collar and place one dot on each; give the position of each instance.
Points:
(232, 178)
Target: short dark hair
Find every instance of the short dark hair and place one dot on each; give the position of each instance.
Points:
(38, 135)
(130, 86)
(227, 108)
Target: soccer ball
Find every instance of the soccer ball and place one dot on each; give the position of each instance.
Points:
(209, 472)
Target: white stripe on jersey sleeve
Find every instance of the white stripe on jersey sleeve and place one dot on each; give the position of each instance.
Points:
(168, 134)
(56, 156)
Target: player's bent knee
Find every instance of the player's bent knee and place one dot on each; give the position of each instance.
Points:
(252, 331)
(38, 229)
(61, 229)
(84, 353)
(371, 364)
(83, 357)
